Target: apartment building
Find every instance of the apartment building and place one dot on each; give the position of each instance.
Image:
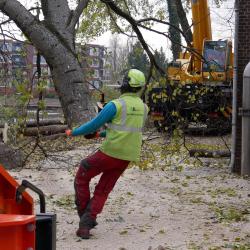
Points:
(95, 65)
(18, 63)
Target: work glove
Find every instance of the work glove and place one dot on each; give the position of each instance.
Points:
(92, 136)
(68, 132)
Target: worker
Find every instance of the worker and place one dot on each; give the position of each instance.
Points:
(124, 119)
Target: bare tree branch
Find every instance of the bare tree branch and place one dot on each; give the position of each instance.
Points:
(167, 23)
(184, 22)
(118, 27)
(77, 13)
(188, 48)
(5, 22)
(134, 25)
(18, 13)
(143, 94)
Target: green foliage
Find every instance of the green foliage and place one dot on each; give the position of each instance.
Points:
(237, 246)
(171, 156)
(160, 58)
(97, 18)
(124, 232)
(16, 115)
(223, 191)
(138, 59)
(66, 201)
(110, 93)
(230, 214)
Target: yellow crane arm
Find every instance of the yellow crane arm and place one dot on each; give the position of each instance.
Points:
(201, 27)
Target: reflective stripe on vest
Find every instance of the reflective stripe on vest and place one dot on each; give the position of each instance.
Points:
(122, 126)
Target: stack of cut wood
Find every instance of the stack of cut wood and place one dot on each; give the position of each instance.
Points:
(49, 128)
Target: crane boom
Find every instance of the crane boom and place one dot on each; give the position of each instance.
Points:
(201, 27)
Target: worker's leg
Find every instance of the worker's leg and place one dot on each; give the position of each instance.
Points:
(88, 169)
(102, 190)
(112, 169)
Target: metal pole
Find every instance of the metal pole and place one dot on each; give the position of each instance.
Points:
(235, 80)
(245, 112)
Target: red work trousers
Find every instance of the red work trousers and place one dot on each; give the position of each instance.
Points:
(111, 169)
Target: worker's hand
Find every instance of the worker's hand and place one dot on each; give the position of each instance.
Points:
(92, 136)
(68, 132)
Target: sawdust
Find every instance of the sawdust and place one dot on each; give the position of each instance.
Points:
(196, 208)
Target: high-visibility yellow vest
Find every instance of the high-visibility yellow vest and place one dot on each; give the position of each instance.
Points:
(124, 133)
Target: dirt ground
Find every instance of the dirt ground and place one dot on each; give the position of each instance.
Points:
(195, 207)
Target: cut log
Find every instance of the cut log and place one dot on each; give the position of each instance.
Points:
(209, 153)
(53, 137)
(33, 123)
(45, 122)
(45, 130)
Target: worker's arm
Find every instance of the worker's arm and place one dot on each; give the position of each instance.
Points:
(106, 115)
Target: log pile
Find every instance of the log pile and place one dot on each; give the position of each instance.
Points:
(45, 130)
(49, 128)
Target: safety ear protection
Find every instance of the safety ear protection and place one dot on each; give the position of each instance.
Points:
(126, 80)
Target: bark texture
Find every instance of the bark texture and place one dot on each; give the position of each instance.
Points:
(9, 157)
(54, 39)
(184, 21)
(174, 34)
(45, 130)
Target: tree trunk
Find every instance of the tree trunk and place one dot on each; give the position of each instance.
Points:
(54, 39)
(186, 28)
(9, 157)
(174, 34)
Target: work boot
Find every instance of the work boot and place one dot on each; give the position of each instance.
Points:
(83, 233)
(87, 221)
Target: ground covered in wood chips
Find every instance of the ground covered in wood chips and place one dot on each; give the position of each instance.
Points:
(167, 202)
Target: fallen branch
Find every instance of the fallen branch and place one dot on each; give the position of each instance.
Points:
(209, 153)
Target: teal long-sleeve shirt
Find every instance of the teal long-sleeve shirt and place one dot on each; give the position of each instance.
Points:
(106, 115)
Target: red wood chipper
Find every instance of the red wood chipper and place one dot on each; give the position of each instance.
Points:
(20, 228)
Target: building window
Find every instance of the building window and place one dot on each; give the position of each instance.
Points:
(6, 47)
(43, 61)
(17, 47)
(94, 51)
(95, 63)
(18, 60)
(96, 73)
(2, 59)
(97, 84)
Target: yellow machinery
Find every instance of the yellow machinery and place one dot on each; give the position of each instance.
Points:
(200, 79)
(207, 60)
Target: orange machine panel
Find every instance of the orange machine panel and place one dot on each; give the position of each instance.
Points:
(8, 205)
(17, 232)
